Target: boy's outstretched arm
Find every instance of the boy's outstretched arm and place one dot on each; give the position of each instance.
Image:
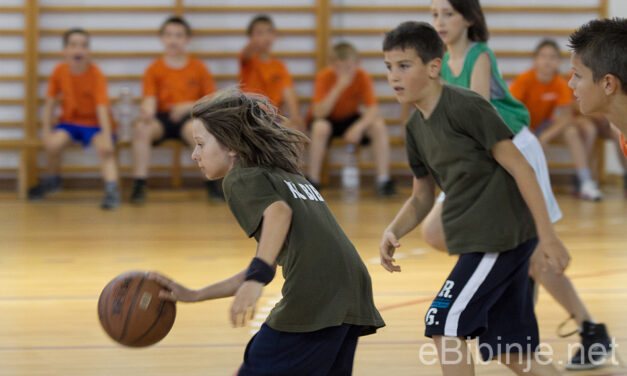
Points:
(408, 218)
(512, 160)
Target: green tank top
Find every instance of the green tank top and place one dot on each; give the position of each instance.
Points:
(511, 110)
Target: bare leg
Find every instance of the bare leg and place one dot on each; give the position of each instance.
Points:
(54, 146)
(455, 358)
(560, 288)
(588, 133)
(577, 148)
(320, 133)
(108, 164)
(432, 230)
(378, 133)
(144, 133)
(528, 364)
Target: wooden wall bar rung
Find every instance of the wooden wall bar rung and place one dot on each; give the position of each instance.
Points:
(11, 31)
(155, 54)
(11, 55)
(139, 77)
(6, 78)
(12, 101)
(493, 31)
(251, 9)
(140, 9)
(11, 9)
(486, 9)
(132, 32)
(11, 124)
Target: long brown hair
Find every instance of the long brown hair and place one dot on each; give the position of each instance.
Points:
(250, 126)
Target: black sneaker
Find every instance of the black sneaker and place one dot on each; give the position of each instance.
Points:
(111, 200)
(596, 347)
(138, 196)
(46, 186)
(385, 189)
(214, 190)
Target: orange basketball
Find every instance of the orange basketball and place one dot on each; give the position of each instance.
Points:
(131, 312)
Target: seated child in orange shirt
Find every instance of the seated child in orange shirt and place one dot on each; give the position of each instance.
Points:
(339, 91)
(549, 100)
(172, 84)
(81, 89)
(260, 73)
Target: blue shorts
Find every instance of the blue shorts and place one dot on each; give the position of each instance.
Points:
(489, 296)
(326, 352)
(80, 133)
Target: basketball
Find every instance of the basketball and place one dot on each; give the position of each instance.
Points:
(131, 312)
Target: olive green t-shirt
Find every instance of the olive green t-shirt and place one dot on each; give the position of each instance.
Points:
(326, 282)
(484, 210)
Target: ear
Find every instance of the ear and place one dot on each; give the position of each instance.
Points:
(434, 67)
(609, 84)
(232, 154)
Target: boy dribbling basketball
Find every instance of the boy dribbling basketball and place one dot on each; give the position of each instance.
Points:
(327, 294)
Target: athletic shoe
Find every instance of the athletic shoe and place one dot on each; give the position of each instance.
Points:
(138, 196)
(596, 347)
(386, 188)
(111, 200)
(48, 185)
(589, 191)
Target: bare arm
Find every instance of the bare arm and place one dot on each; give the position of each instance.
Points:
(512, 160)
(480, 77)
(291, 100)
(408, 218)
(248, 52)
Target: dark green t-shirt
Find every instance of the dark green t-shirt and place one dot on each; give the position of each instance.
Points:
(484, 210)
(326, 282)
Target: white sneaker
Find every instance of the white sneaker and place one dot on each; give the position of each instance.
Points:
(589, 191)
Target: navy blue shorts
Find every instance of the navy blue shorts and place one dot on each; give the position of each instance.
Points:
(489, 296)
(79, 133)
(326, 352)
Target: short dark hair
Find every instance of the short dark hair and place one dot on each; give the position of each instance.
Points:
(260, 18)
(178, 21)
(602, 46)
(472, 12)
(74, 30)
(419, 36)
(546, 43)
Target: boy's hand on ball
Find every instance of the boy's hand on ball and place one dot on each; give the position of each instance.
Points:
(243, 307)
(173, 291)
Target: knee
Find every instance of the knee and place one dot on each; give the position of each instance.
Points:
(320, 129)
(432, 235)
(141, 131)
(52, 146)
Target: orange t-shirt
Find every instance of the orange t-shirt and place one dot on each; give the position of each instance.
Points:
(359, 92)
(268, 78)
(172, 86)
(540, 98)
(623, 144)
(80, 94)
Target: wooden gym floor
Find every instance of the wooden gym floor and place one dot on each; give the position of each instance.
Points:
(57, 255)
